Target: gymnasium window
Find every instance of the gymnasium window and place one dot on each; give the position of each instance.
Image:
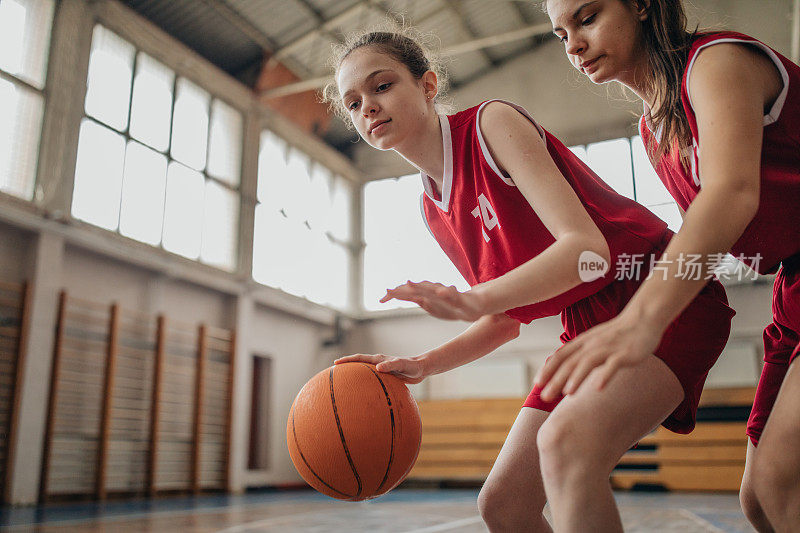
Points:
(302, 225)
(623, 164)
(24, 44)
(158, 157)
(398, 245)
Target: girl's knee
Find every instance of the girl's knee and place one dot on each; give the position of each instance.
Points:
(503, 510)
(751, 507)
(567, 446)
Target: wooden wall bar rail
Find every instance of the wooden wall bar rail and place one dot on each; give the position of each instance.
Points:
(51, 408)
(229, 422)
(108, 397)
(198, 406)
(23, 304)
(173, 436)
(155, 416)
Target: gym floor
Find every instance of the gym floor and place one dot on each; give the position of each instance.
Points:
(401, 511)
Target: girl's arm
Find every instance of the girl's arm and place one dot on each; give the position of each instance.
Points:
(520, 152)
(730, 87)
(484, 336)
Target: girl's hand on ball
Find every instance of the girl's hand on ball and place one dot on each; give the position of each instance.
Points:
(408, 370)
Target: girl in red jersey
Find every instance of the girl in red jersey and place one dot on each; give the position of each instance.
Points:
(721, 115)
(535, 233)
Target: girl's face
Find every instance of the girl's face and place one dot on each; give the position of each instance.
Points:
(602, 38)
(387, 105)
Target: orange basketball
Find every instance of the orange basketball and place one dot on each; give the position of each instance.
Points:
(353, 432)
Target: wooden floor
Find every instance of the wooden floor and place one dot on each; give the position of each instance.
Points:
(402, 511)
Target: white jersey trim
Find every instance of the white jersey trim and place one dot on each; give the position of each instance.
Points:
(486, 155)
(769, 118)
(422, 212)
(649, 124)
(775, 112)
(447, 184)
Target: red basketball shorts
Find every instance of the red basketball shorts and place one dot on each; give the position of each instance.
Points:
(781, 347)
(690, 345)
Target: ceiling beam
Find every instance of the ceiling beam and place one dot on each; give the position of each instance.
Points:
(325, 26)
(466, 26)
(242, 24)
(526, 19)
(454, 50)
(317, 15)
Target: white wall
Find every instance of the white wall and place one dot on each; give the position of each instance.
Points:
(294, 345)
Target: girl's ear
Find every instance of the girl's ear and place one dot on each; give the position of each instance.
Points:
(642, 9)
(430, 85)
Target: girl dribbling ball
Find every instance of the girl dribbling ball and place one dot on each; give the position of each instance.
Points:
(536, 233)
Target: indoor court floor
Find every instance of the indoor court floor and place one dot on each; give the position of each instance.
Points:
(402, 511)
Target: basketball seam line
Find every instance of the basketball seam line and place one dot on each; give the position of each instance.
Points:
(341, 435)
(303, 457)
(391, 416)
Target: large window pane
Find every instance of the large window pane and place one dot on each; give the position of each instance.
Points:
(297, 184)
(580, 151)
(335, 285)
(151, 106)
(20, 130)
(271, 241)
(669, 213)
(284, 254)
(220, 226)
(398, 245)
(341, 207)
(183, 217)
(25, 38)
(108, 89)
(324, 271)
(299, 213)
(225, 143)
(190, 125)
(143, 185)
(611, 160)
(649, 189)
(98, 175)
(271, 169)
(319, 200)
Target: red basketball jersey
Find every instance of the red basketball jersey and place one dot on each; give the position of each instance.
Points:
(774, 233)
(487, 227)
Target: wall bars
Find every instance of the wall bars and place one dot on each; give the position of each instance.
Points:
(138, 404)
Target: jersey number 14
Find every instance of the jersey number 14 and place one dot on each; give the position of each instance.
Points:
(486, 213)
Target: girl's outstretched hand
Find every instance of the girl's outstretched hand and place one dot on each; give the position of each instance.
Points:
(438, 300)
(409, 370)
(607, 347)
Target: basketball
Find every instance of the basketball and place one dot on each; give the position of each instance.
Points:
(353, 432)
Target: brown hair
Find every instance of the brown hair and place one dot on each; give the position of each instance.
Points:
(401, 45)
(667, 43)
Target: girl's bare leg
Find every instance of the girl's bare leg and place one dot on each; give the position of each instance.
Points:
(776, 463)
(512, 499)
(587, 434)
